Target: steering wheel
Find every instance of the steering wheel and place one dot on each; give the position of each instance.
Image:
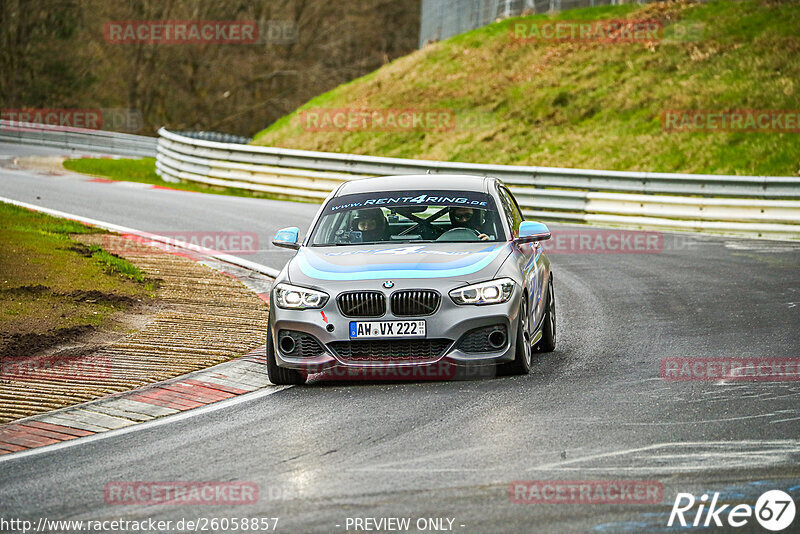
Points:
(460, 234)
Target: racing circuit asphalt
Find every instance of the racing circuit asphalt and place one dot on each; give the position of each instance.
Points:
(594, 409)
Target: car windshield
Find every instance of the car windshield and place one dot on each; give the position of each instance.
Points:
(408, 216)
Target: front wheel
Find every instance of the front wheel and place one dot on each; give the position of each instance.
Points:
(278, 375)
(548, 341)
(522, 357)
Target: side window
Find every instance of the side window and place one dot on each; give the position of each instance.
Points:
(511, 210)
(517, 211)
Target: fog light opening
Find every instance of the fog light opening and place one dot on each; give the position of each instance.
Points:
(497, 339)
(287, 344)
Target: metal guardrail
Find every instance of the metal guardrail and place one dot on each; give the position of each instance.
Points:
(77, 139)
(216, 136)
(741, 205)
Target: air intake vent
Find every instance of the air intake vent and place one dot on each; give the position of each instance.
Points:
(485, 339)
(362, 304)
(298, 344)
(390, 349)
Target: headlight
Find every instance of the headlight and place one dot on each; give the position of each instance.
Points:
(493, 292)
(299, 298)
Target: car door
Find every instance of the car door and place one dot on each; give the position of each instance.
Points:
(525, 253)
(537, 267)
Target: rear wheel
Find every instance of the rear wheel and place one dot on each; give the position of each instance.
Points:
(548, 341)
(522, 359)
(280, 376)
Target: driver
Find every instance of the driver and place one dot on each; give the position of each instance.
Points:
(372, 225)
(461, 217)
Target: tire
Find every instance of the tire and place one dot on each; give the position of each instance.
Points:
(281, 376)
(548, 341)
(521, 365)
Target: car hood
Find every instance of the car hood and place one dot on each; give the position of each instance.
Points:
(463, 261)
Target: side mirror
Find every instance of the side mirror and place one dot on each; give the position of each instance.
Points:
(530, 231)
(287, 238)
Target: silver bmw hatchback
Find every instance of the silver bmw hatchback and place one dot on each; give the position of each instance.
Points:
(412, 277)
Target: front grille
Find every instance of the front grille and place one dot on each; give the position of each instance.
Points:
(306, 345)
(362, 304)
(477, 340)
(390, 349)
(414, 302)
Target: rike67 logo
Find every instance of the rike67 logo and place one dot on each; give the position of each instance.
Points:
(774, 510)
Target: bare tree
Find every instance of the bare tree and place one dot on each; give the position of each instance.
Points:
(54, 53)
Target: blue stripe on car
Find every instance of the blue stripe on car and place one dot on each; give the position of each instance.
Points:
(464, 265)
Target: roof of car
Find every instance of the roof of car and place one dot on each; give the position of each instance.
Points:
(414, 182)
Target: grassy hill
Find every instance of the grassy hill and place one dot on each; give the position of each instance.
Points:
(586, 103)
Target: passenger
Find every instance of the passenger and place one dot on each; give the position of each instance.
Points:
(372, 225)
(468, 218)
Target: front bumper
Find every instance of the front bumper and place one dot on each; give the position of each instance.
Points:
(450, 323)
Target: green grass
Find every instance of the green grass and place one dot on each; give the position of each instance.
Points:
(50, 282)
(143, 170)
(587, 104)
(131, 170)
(115, 265)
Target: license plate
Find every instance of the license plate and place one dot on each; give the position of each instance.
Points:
(372, 329)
